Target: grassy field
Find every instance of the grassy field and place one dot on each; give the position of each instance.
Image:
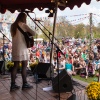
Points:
(88, 80)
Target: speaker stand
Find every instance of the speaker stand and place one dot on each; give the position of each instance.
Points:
(37, 80)
(57, 51)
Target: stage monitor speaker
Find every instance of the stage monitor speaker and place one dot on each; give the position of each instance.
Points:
(44, 70)
(65, 82)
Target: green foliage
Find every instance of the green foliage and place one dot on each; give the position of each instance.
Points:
(65, 29)
(10, 64)
(33, 64)
(88, 80)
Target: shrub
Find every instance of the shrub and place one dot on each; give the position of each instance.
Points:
(10, 64)
(93, 91)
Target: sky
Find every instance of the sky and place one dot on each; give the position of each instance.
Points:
(93, 7)
(82, 13)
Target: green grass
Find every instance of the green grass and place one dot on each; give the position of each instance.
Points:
(88, 80)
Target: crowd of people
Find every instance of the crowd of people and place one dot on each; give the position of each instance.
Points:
(78, 58)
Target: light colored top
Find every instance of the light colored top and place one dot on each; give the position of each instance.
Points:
(19, 48)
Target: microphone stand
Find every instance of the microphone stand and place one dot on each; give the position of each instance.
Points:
(57, 48)
(3, 68)
(36, 75)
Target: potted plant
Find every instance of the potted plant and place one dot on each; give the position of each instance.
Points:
(10, 64)
(33, 66)
(93, 91)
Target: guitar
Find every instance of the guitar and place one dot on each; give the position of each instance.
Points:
(28, 37)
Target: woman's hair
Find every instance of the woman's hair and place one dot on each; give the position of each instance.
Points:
(20, 18)
(90, 65)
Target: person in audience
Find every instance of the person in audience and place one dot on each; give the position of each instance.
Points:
(95, 50)
(47, 60)
(76, 57)
(77, 66)
(83, 68)
(84, 56)
(90, 70)
(62, 61)
(82, 63)
(32, 59)
(69, 68)
(97, 63)
(38, 53)
(19, 51)
(61, 65)
(70, 59)
(54, 62)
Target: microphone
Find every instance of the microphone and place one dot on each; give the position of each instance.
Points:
(38, 20)
(26, 11)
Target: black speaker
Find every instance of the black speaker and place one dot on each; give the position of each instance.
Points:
(65, 82)
(44, 70)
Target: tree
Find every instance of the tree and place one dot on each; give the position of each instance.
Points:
(45, 34)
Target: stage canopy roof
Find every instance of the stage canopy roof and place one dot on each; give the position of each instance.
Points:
(13, 5)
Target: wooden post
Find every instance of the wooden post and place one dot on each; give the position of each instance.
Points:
(99, 75)
(90, 34)
(54, 26)
(91, 37)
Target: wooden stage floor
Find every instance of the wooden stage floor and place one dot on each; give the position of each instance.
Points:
(37, 92)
